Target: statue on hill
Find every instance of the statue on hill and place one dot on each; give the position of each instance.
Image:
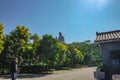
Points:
(61, 38)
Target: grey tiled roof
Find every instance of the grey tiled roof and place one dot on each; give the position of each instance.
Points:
(110, 36)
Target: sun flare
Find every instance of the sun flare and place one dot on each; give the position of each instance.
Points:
(97, 3)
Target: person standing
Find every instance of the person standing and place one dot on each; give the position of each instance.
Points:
(14, 68)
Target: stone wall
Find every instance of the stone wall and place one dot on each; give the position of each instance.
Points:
(109, 67)
(105, 52)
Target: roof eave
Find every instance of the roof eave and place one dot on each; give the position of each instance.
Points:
(106, 41)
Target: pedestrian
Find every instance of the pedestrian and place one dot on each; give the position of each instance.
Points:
(14, 69)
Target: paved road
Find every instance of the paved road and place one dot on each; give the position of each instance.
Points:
(76, 74)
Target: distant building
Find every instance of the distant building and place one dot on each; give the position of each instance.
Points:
(109, 43)
(61, 38)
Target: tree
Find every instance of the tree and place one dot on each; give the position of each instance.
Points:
(31, 50)
(48, 49)
(1, 38)
(1, 48)
(90, 52)
(76, 56)
(62, 51)
(35, 44)
(17, 40)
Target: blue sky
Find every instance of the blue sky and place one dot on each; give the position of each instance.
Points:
(78, 20)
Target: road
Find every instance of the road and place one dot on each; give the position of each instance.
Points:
(75, 74)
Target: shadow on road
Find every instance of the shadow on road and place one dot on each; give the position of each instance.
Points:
(20, 76)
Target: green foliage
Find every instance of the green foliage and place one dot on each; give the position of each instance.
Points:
(36, 54)
(79, 55)
(100, 66)
(62, 49)
(74, 56)
(15, 43)
(48, 49)
(90, 52)
(1, 38)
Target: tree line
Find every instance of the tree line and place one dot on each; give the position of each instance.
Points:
(36, 54)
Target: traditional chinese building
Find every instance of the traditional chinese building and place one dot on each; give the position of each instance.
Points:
(109, 43)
